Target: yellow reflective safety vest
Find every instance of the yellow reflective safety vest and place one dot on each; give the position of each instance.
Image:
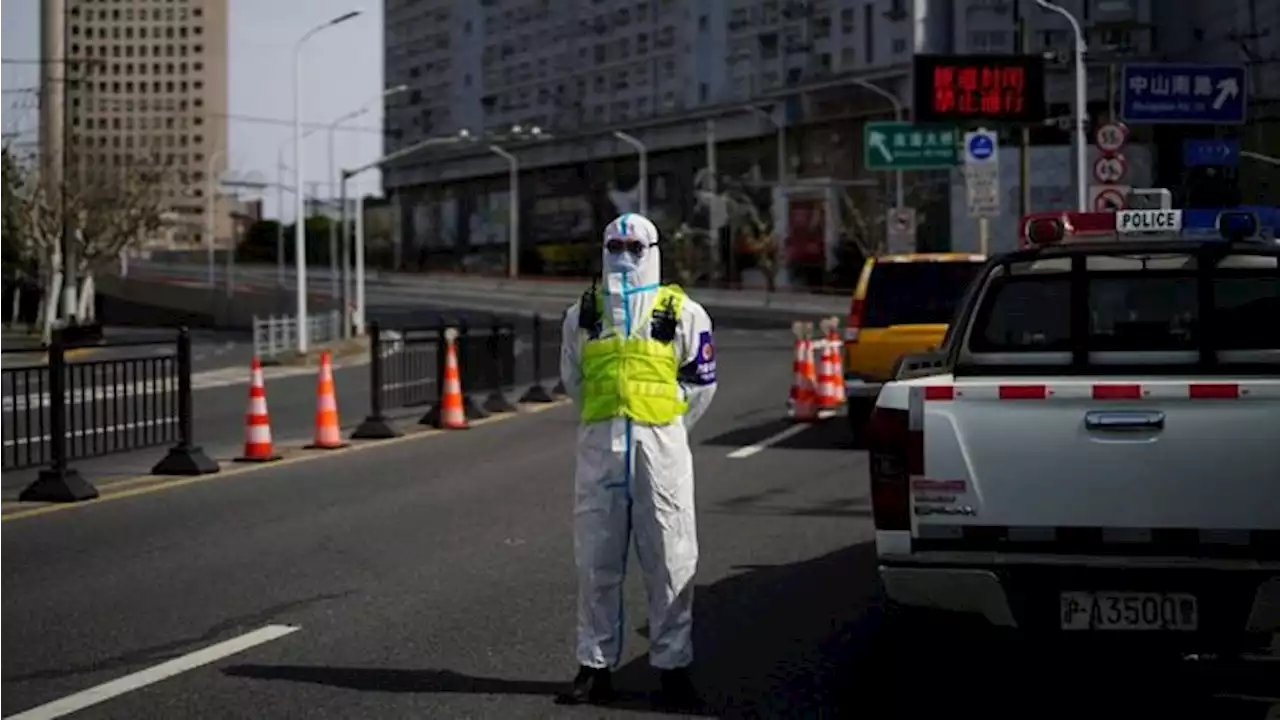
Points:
(631, 376)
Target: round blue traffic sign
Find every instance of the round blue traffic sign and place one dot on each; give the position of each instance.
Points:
(981, 147)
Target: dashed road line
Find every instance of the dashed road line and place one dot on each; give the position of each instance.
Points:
(747, 451)
(152, 675)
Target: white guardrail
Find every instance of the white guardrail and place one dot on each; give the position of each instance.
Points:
(277, 335)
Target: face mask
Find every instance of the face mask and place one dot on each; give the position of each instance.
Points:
(622, 262)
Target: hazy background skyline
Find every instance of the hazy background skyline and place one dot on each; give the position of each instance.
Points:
(342, 70)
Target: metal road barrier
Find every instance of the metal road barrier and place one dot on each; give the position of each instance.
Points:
(59, 411)
(278, 334)
(407, 370)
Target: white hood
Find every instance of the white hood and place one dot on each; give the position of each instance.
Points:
(648, 267)
(630, 282)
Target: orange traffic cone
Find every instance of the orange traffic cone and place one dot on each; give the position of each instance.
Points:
(257, 434)
(328, 432)
(837, 355)
(827, 379)
(452, 415)
(806, 406)
(797, 365)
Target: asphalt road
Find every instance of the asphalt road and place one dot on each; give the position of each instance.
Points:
(432, 577)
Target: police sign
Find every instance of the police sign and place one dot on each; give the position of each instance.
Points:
(1144, 221)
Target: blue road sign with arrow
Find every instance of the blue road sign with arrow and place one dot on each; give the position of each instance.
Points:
(1180, 93)
(1210, 151)
(981, 146)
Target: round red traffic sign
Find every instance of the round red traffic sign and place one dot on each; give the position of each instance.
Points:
(1109, 200)
(1110, 169)
(1111, 136)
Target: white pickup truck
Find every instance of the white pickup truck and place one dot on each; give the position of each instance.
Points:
(1097, 445)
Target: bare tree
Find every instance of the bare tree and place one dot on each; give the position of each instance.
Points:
(109, 209)
(862, 213)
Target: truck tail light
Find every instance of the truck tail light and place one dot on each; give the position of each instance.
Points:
(852, 327)
(896, 453)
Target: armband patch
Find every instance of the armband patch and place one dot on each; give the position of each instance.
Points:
(702, 371)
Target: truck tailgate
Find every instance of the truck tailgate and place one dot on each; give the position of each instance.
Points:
(1099, 453)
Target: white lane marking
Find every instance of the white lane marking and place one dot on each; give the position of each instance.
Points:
(152, 675)
(747, 451)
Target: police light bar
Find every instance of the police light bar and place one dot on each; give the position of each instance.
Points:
(1051, 228)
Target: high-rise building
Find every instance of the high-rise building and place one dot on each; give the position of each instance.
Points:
(659, 70)
(148, 83)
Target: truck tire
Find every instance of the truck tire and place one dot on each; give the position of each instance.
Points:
(859, 411)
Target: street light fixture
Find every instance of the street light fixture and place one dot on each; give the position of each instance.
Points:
(300, 231)
(334, 254)
(1082, 109)
(780, 128)
(899, 112)
(513, 194)
(643, 171)
(360, 314)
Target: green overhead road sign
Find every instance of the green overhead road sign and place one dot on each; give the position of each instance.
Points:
(905, 146)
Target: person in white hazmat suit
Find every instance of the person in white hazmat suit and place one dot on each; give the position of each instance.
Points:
(638, 359)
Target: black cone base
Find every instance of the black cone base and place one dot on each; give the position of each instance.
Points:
(497, 402)
(536, 394)
(374, 428)
(472, 408)
(558, 390)
(185, 460)
(431, 417)
(59, 486)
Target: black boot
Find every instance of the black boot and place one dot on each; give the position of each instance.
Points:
(591, 685)
(677, 691)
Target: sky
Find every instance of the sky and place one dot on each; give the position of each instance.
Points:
(342, 70)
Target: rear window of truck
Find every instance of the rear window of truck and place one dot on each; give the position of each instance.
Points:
(1131, 309)
(916, 293)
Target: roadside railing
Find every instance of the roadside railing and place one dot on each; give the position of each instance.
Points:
(277, 335)
(62, 410)
(407, 370)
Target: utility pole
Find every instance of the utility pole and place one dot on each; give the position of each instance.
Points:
(1023, 46)
(54, 132)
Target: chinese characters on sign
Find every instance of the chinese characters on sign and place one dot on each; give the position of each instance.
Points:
(905, 146)
(990, 88)
(1155, 93)
(969, 90)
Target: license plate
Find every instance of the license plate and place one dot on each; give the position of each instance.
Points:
(1128, 611)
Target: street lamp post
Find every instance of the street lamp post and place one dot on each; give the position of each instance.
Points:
(899, 194)
(300, 223)
(210, 202)
(513, 210)
(343, 293)
(346, 176)
(780, 128)
(643, 152)
(1082, 108)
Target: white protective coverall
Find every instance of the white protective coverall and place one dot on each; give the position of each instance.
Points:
(634, 479)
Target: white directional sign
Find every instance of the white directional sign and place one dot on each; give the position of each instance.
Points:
(1110, 169)
(982, 173)
(900, 225)
(1111, 137)
(1145, 221)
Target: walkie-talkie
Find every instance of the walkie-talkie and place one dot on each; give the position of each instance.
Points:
(663, 327)
(589, 311)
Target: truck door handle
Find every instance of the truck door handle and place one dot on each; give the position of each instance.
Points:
(1124, 420)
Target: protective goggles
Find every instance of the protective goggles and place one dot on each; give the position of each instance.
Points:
(620, 245)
